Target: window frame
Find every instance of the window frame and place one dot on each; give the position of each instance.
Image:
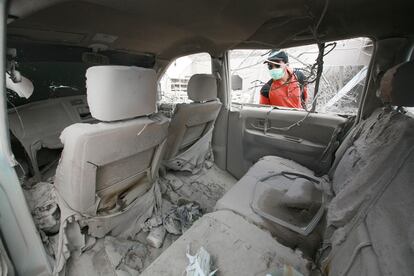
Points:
(160, 92)
(359, 97)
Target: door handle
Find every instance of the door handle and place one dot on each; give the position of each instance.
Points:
(293, 139)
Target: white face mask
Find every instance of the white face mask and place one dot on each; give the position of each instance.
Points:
(277, 73)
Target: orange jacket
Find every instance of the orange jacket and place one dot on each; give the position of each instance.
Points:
(286, 94)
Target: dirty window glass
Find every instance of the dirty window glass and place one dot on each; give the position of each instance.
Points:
(341, 83)
(173, 84)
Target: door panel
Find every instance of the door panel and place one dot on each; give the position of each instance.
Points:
(257, 131)
(6, 266)
(21, 238)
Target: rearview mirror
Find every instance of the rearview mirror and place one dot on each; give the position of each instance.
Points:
(236, 82)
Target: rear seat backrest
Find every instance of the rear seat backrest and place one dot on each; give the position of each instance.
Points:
(400, 98)
(372, 207)
(113, 162)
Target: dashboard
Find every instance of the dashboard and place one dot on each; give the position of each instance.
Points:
(44, 120)
(39, 124)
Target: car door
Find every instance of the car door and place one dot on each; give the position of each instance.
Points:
(257, 131)
(308, 138)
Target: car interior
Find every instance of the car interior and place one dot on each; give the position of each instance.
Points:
(133, 141)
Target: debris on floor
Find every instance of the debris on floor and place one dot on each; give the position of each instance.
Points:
(179, 219)
(156, 236)
(117, 256)
(153, 252)
(154, 226)
(43, 206)
(109, 256)
(154, 221)
(183, 199)
(205, 188)
(50, 243)
(125, 255)
(42, 202)
(285, 270)
(199, 264)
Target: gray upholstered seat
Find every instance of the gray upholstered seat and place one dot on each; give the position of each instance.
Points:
(239, 198)
(236, 246)
(370, 219)
(363, 168)
(106, 165)
(192, 125)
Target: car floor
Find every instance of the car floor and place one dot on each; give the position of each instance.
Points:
(205, 187)
(193, 194)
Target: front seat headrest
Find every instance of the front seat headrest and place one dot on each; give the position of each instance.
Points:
(202, 87)
(396, 85)
(121, 92)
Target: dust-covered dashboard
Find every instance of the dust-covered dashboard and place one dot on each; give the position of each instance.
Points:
(39, 124)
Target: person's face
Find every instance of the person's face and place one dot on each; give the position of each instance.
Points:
(276, 64)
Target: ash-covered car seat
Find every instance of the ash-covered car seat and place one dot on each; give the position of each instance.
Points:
(369, 222)
(191, 128)
(106, 166)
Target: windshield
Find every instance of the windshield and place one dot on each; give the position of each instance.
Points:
(59, 71)
(51, 80)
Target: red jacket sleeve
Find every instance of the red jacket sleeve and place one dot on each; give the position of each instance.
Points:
(264, 100)
(305, 92)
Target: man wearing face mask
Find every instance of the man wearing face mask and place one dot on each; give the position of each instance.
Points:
(287, 87)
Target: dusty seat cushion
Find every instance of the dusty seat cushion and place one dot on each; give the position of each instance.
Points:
(236, 246)
(239, 197)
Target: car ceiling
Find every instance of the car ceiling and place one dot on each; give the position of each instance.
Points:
(173, 28)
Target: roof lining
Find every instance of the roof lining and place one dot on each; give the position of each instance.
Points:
(210, 26)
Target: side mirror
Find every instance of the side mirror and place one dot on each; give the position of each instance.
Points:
(236, 82)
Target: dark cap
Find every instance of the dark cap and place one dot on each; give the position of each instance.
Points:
(278, 55)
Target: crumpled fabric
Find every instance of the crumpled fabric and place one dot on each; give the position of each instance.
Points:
(70, 237)
(43, 206)
(180, 219)
(45, 211)
(73, 238)
(195, 157)
(151, 223)
(126, 223)
(199, 264)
